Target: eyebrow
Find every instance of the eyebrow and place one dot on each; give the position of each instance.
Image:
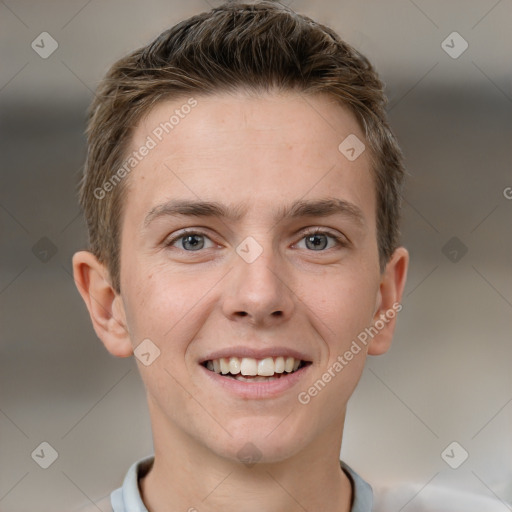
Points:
(300, 208)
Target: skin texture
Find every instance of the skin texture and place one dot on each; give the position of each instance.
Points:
(262, 153)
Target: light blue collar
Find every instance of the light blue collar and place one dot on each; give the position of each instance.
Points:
(127, 498)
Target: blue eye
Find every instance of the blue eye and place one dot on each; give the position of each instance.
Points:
(316, 240)
(190, 240)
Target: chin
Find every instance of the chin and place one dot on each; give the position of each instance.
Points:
(257, 443)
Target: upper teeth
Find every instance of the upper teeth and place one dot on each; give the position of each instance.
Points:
(249, 366)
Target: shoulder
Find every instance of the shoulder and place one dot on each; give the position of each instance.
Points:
(432, 498)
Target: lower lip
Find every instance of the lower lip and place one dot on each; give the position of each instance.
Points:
(256, 390)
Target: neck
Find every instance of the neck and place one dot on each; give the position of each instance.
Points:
(186, 475)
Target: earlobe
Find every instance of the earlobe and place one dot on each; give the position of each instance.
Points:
(104, 304)
(390, 294)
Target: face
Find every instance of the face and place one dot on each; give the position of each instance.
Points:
(253, 274)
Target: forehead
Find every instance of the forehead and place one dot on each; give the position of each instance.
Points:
(257, 151)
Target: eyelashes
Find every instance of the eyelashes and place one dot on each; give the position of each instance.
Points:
(340, 240)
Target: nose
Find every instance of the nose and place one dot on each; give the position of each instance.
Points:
(260, 292)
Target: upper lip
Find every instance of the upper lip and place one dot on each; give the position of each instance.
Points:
(260, 353)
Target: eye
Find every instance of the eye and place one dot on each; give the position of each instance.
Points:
(190, 241)
(317, 240)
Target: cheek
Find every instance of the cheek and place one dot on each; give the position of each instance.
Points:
(342, 309)
(164, 305)
(154, 308)
(344, 302)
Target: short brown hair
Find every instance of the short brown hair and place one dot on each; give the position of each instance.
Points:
(256, 47)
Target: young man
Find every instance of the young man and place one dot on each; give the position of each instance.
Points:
(242, 195)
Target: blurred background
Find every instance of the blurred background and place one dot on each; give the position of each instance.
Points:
(448, 375)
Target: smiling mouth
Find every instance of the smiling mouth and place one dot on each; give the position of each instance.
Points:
(247, 369)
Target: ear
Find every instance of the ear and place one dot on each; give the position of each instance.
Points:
(388, 301)
(104, 304)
